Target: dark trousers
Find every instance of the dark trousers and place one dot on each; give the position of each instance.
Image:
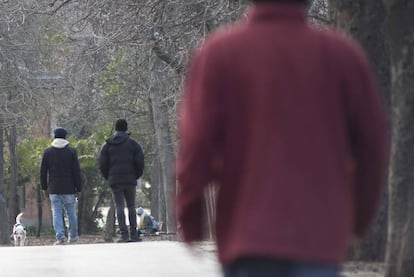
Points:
(267, 267)
(125, 193)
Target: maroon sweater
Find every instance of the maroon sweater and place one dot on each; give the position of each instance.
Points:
(286, 119)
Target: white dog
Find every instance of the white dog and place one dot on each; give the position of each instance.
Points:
(19, 232)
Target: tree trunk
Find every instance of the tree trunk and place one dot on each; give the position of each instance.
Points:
(364, 20)
(110, 223)
(4, 234)
(13, 198)
(39, 209)
(210, 199)
(156, 180)
(102, 196)
(158, 208)
(400, 252)
(4, 237)
(163, 143)
(87, 211)
(85, 207)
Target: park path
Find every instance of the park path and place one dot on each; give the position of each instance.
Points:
(148, 258)
(163, 258)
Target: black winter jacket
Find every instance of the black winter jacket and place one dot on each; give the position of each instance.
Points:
(60, 171)
(121, 160)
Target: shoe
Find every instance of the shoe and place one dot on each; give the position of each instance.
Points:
(122, 240)
(134, 235)
(135, 239)
(73, 241)
(59, 242)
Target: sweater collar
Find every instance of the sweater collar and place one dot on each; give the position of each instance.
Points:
(272, 11)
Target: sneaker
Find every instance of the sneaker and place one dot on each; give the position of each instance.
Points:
(73, 241)
(59, 242)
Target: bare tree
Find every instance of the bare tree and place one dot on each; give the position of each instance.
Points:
(400, 252)
(4, 235)
(163, 33)
(364, 20)
(13, 197)
(16, 57)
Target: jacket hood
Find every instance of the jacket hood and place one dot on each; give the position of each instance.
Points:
(118, 138)
(60, 143)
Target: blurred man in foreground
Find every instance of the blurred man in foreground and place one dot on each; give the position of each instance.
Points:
(288, 122)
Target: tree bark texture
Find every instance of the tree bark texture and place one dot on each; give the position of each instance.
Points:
(210, 197)
(4, 235)
(158, 207)
(99, 203)
(39, 209)
(400, 252)
(156, 180)
(163, 143)
(84, 206)
(86, 216)
(13, 198)
(110, 223)
(365, 21)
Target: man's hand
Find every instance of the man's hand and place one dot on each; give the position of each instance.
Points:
(46, 193)
(78, 194)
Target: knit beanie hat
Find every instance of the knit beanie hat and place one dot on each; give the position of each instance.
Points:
(60, 132)
(121, 125)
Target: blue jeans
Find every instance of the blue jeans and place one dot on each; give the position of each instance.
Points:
(267, 267)
(67, 203)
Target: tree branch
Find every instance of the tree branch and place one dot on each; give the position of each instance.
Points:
(174, 62)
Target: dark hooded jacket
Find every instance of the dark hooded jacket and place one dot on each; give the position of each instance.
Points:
(60, 171)
(121, 160)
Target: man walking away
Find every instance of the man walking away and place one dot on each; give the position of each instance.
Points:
(60, 179)
(285, 118)
(121, 162)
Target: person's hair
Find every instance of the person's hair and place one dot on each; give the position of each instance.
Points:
(121, 125)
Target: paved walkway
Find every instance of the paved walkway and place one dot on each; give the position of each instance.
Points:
(163, 258)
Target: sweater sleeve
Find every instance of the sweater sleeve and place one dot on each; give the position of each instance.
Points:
(199, 136)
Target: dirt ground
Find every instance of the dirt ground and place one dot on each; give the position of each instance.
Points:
(84, 239)
(359, 269)
(49, 240)
(350, 269)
